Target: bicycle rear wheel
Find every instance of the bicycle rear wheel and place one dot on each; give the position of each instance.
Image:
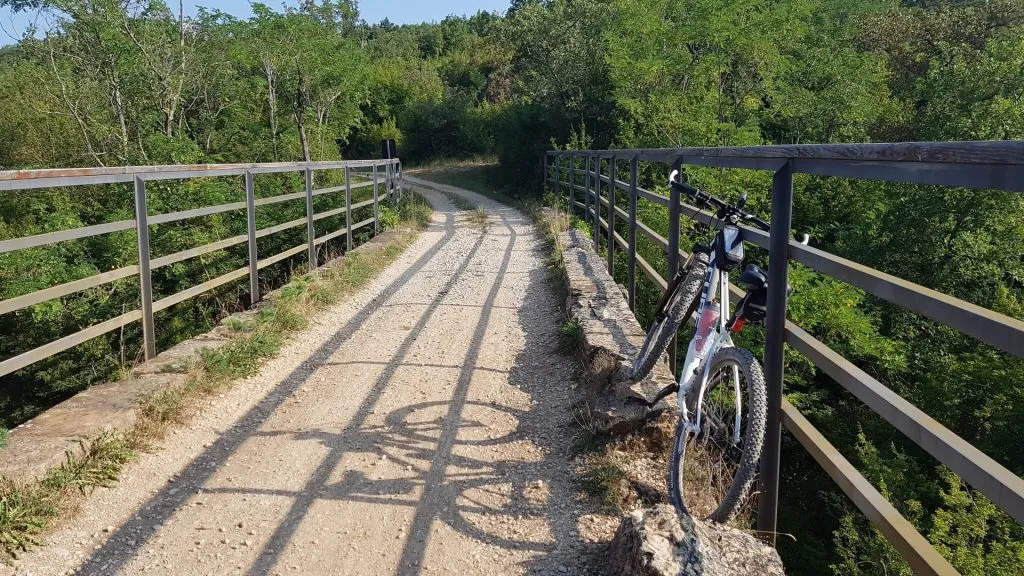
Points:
(670, 317)
(710, 475)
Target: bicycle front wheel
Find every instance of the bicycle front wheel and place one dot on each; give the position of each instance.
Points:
(669, 318)
(711, 472)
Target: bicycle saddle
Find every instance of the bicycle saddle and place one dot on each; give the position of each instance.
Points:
(754, 278)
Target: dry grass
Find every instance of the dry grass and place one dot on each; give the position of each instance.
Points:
(29, 509)
(628, 472)
(705, 487)
(478, 218)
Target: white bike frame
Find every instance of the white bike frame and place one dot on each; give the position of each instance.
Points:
(696, 370)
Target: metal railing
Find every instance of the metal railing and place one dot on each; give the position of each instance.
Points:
(984, 165)
(386, 172)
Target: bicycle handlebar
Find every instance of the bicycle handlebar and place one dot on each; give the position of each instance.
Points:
(702, 197)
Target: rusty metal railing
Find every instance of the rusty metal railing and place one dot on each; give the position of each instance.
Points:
(983, 165)
(386, 172)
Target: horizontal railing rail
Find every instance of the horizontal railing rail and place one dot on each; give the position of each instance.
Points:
(385, 172)
(984, 165)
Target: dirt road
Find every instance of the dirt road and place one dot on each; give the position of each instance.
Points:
(418, 428)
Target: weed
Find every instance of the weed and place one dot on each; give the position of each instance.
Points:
(570, 335)
(583, 226)
(28, 509)
(479, 219)
(236, 324)
(3, 438)
(586, 438)
(388, 216)
(607, 483)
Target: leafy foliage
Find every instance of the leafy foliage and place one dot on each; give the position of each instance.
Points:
(115, 83)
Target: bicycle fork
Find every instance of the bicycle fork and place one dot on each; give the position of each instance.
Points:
(698, 361)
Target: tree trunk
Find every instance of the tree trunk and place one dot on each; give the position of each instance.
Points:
(300, 115)
(268, 69)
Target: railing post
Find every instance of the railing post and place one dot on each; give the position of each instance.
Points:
(399, 178)
(631, 260)
(376, 209)
(774, 347)
(145, 275)
(545, 173)
(250, 213)
(387, 183)
(310, 229)
(673, 254)
(611, 217)
(394, 182)
(348, 210)
(586, 188)
(572, 184)
(597, 202)
(558, 176)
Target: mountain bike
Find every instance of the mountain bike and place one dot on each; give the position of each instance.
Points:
(722, 398)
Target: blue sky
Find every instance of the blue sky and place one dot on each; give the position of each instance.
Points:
(398, 11)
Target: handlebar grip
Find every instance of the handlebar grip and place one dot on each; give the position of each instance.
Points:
(683, 186)
(758, 222)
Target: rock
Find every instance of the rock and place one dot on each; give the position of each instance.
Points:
(658, 542)
(611, 338)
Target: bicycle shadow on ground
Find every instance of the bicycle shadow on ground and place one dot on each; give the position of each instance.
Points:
(439, 460)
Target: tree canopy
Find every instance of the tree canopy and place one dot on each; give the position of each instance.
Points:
(122, 82)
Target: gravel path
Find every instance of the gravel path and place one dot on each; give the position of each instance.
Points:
(420, 427)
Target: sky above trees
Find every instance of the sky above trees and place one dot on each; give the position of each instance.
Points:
(13, 25)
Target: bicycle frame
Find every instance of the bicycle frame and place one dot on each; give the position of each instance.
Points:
(697, 367)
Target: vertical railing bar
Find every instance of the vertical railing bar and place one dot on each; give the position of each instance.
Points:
(596, 179)
(310, 229)
(348, 211)
(401, 178)
(572, 184)
(387, 183)
(250, 213)
(631, 260)
(145, 274)
(558, 178)
(673, 254)
(611, 216)
(376, 208)
(586, 188)
(775, 333)
(545, 174)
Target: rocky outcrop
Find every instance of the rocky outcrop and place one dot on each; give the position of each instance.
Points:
(611, 339)
(659, 542)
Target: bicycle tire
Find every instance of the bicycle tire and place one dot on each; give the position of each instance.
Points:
(672, 315)
(753, 437)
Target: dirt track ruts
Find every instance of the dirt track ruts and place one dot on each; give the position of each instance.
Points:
(420, 427)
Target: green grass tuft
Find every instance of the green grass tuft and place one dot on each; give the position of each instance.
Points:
(570, 335)
(605, 484)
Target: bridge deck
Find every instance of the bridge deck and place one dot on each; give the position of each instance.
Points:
(415, 429)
